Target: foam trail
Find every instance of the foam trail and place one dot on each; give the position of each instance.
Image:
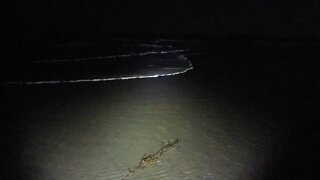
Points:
(110, 57)
(102, 79)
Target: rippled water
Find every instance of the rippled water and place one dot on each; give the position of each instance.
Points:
(50, 63)
(99, 131)
(231, 111)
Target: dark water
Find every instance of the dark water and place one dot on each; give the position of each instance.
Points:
(39, 63)
(247, 110)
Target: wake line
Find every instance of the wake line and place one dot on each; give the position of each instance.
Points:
(110, 57)
(100, 79)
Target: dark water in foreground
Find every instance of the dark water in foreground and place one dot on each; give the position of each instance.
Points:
(246, 111)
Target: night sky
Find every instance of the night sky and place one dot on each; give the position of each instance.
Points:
(61, 19)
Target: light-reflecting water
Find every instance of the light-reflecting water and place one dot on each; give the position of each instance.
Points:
(95, 131)
(247, 110)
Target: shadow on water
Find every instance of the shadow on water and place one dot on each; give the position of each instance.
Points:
(278, 82)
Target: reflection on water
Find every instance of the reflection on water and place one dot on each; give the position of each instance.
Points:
(101, 131)
(246, 111)
(92, 62)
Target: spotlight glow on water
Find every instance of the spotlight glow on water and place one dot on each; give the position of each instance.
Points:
(98, 130)
(99, 136)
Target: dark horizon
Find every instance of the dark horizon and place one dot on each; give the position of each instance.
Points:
(75, 20)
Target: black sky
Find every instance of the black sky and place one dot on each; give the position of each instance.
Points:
(267, 18)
